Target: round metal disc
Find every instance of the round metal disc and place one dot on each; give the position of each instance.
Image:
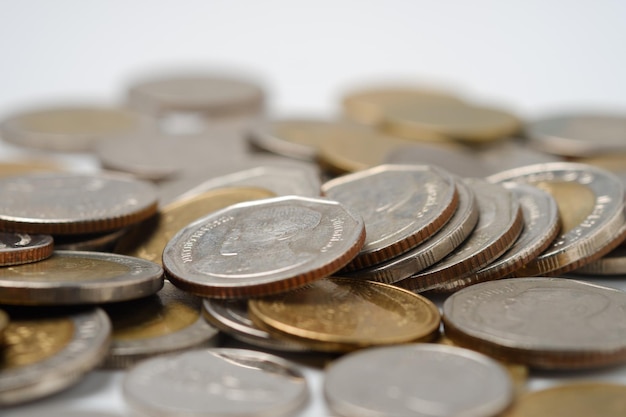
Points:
(21, 248)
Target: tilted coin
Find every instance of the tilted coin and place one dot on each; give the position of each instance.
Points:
(216, 382)
(401, 205)
(96, 242)
(69, 277)
(509, 153)
(46, 351)
(591, 208)
(148, 239)
(500, 222)
(73, 203)
(166, 322)
(554, 323)
(342, 314)
(21, 248)
(613, 263)
(417, 380)
(69, 128)
(448, 238)
(263, 247)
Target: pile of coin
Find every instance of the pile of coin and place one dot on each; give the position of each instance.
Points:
(303, 237)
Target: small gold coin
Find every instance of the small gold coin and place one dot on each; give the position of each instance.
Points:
(343, 314)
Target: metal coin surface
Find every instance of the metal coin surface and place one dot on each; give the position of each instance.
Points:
(263, 247)
(21, 248)
(166, 322)
(73, 203)
(342, 314)
(401, 205)
(96, 242)
(553, 323)
(69, 277)
(216, 382)
(591, 208)
(444, 241)
(500, 222)
(4, 321)
(11, 168)
(48, 350)
(613, 263)
(417, 380)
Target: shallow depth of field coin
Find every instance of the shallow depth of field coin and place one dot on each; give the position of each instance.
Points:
(21, 248)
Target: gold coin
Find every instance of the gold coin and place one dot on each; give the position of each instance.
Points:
(148, 240)
(573, 400)
(575, 201)
(343, 314)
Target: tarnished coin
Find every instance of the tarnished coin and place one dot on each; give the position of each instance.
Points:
(69, 277)
(263, 247)
(417, 380)
(401, 205)
(68, 128)
(573, 400)
(73, 203)
(166, 322)
(591, 208)
(342, 314)
(448, 238)
(554, 323)
(21, 248)
(46, 351)
(613, 263)
(500, 222)
(579, 134)
(216, 382)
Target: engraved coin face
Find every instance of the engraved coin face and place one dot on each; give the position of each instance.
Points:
(263, 247)
(21, 248)
(401, 205)
(216, 382)
(73, 203)
(543, 322)
(417, 380)
(342, 314)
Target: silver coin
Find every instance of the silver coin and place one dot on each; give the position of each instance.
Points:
(417, 380)
(542, 322)
(613, 263)
(96, 242)
(216, 382)
(500, 222)
(21, 248)
(30, 370)
(401, 205)
(448, 238)
(231, 317)
(591, 206)
(507, 154)
(69, 277)
(263, 247)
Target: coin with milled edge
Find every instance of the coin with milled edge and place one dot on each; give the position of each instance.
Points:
(21, 248)
(553, 323)
(69, 277)
(48, 350)
(343, 314)
(263, 247)
(500, 222)
(591, 208)
(401, 205)
(73, 203)
(216, 382)
(613, 263)
(417, 380)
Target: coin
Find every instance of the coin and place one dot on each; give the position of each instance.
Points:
(449, 237)
(613, 263)
(21, 248)
(509, 153)
(11, 168)
(500, 222)
(401, 205)
(553, 323)
(96, 242)
(216, 382)
(579, 134)
(591, 209)
(417, 380)
(148, 239)
(68, 128)
(69, 277)
(580, 399)
(4, 321)
(342, 314)
(46, 351)
(73, 203)
(166, 322)
(263, 247)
